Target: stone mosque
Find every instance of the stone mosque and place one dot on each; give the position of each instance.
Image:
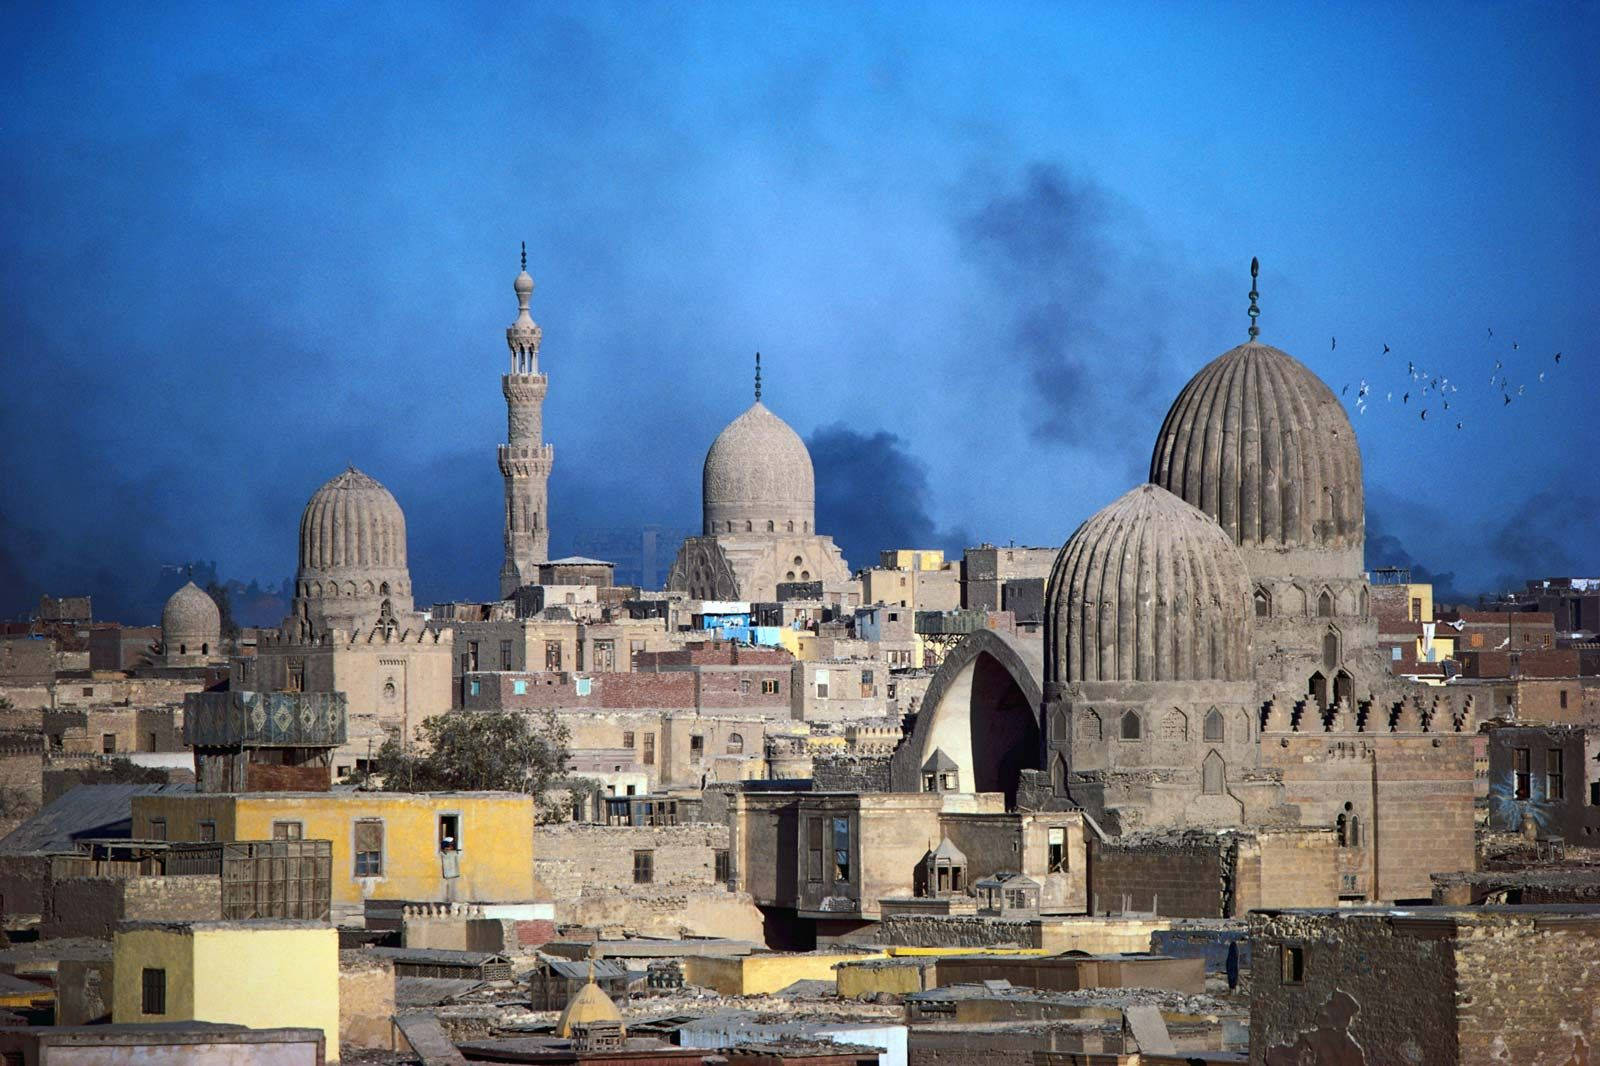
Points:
(759, 500)
(1210, 659)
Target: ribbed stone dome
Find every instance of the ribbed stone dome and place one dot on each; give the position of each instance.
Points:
(1148, 589)
(191, 624)
(758, 477)
(352, 522)
(1258, 442)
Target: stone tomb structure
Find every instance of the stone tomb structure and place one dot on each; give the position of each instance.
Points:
(1210, 656)
(759, 496)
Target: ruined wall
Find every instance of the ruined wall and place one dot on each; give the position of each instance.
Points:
(93, 906)
(930, 931)
(1529, 990)
(366, 1000)
(670, 912)
(1183, 875)
(850, 773)
(1346, 1008)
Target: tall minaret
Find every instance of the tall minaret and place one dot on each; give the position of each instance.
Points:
(525, 459)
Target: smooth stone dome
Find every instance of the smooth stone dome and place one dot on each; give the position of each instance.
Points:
(352, 522)
(757, 472)
(1258, 442)
(191, 624)
(1148, 589)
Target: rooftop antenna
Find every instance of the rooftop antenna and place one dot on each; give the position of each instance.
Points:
(758, 377)
(1255, 312)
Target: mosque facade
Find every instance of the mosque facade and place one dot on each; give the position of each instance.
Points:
(759, 497)
(1210, 657)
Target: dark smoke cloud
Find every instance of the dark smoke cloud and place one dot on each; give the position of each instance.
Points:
(872, 494)
(1537, 539)
(1385, 549)
(1058, 253)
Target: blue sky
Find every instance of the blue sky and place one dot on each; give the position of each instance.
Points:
(981, 249)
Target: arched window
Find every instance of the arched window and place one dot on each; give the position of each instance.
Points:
(1330, 649)
(1132, 728)
(383, 589)
(183, 649)
(735, 744)
(730, 525)
(1325, 604)
(791, 525)
(771, 526)
(205, 649)
(1058, 725)
(1058, 774)
(1355, 831)
(1213, 773)
(805, 527)
(1263, 604)
(1341, 828)
(749, 526)
(1215, 730)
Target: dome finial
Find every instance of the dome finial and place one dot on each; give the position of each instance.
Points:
(758, 377)
(1255, 312)
(524, 255)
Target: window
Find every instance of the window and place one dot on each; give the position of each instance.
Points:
(1263, 603)
(735, 744)
(552, 655)
(1554, 783)
(868, 689)
(519, 687)
(644, 867)
(769, 686)
(649, 749)
(1325, 605)
(1214, 728)
(627, 739)
(474, 687)
(697, 747)
(208, 832)
(814, 850)
(369, 847)
(822, 684)
(721, 867)
(88, 690)
(635, 648)
(1520, 772)
(1294, 964)
(450, 831)
(158, 829)
(505, 655)
(605, 656)
(1058, 849)
(1594, 793)
(841, 849)
(1130, 726)
(472, 655)
(1563, 699)
(153, 999)
(108, 743)
(288, 830)
(1212, 775)
(1416, 609)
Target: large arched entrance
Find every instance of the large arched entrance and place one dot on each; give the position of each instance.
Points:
(982, 711)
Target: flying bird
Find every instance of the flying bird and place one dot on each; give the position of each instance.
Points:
(1515, 345)
(1388, 397)
(1491, 331)
(1447, 405)
(1345, 391)
(1507, 399)
(1406, 398)
(1558, 357)
(1541, 375)
(1335, 343)
(1424, 414)
(1385, 349)
(1497, 364)
(1458, 425)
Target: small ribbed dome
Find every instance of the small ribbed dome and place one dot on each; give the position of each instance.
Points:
(758, 472)
(352, 521)
(1258, 442)
(590, 1006)
(191, 624)
(1148, 589)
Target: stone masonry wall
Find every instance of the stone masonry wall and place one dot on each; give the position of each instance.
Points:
(571, 857)
(1528, 991)
(929, 931)
(92, 906)
(851, 773)
(1180, 876)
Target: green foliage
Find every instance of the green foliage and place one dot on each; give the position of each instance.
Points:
(478, 751)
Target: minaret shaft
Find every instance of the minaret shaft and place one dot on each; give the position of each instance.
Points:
(525, 460)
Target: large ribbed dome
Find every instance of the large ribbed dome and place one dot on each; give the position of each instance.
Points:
(1148, 589)
(191, 624)
(758, 477)
(1258, 442)
(352, 521)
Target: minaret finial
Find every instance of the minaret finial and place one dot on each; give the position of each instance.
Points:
(1255, 312)
(524, 255)
(758, 377)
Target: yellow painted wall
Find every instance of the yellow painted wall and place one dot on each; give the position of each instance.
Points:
(496, 836)
(755, 975)
(1099, 936)
(855, 979)
(162, 949)
(912, 559)
(263, 976)
(269, 978)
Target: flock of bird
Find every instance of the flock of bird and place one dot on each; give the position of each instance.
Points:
(1433, 392)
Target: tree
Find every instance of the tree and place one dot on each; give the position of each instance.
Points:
(478, 751)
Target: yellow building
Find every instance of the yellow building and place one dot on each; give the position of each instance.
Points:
(763, 973)
(911, 559)
(386, 845)
(263, 974)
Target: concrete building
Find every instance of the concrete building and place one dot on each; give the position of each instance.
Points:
(264, 974)
(525, 459)
(759, 496)
(986, 571)
(1545, 780)
(1475, 984)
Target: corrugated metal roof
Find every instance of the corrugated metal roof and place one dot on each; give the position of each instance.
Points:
(101, 811)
